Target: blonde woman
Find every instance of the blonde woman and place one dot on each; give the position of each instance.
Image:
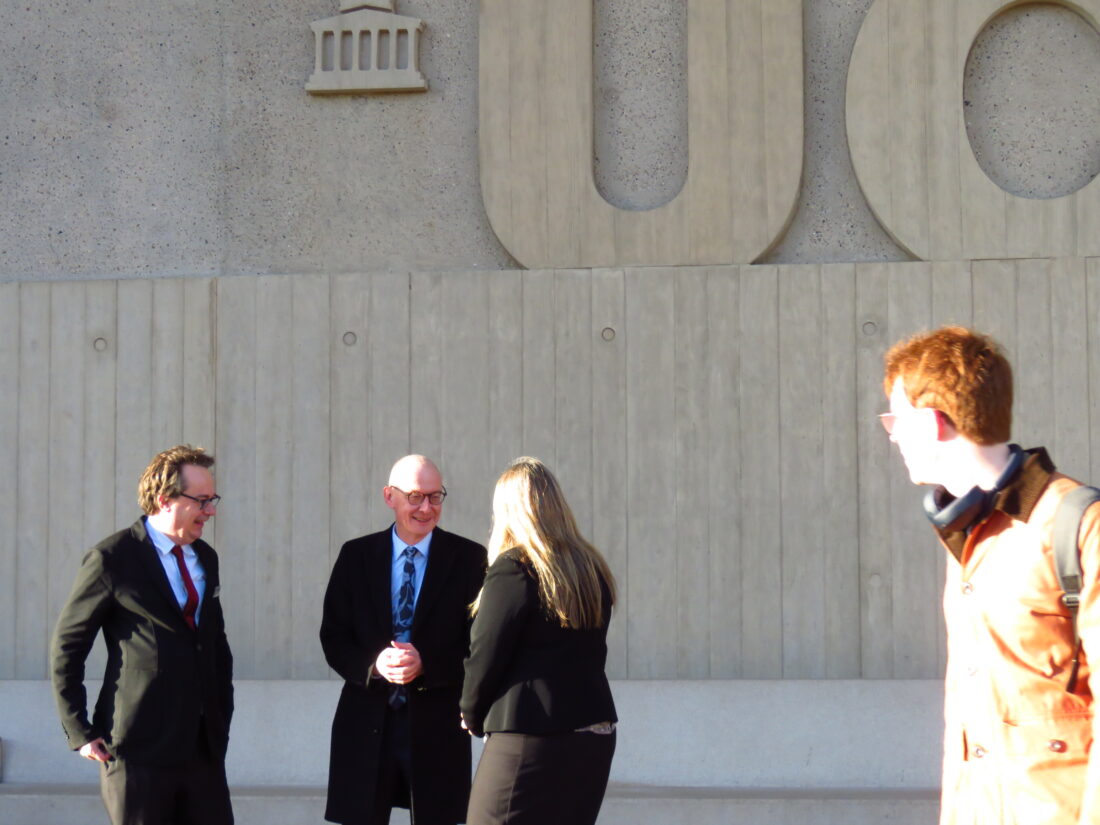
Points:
(535, 680)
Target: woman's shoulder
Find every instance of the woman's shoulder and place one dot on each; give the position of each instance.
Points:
(512, 565)
(511, 560)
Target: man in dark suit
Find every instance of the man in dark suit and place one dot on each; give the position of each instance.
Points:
(396, 627)
(161, 721)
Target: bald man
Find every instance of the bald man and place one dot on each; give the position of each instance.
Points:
(396, 627)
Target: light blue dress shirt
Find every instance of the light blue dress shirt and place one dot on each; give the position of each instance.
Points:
(164, 547)
(397, 566)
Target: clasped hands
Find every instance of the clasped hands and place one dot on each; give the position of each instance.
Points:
(399, 663)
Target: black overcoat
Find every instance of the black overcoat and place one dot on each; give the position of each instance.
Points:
(357, 624)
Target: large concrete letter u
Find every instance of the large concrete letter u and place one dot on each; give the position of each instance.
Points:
(744, 137)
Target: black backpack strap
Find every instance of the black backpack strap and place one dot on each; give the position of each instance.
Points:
(1067, 559)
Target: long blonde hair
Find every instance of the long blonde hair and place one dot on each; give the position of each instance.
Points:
(530, 513)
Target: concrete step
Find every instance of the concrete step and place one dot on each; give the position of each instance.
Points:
(624, 805)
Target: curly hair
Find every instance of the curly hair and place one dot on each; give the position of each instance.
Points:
(959, 372)
(163, 476)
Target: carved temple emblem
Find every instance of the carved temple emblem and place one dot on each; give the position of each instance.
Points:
(366, 49)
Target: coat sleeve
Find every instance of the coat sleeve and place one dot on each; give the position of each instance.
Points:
(507, 601)
(344, 651)
(80, 621)
(1088, 626)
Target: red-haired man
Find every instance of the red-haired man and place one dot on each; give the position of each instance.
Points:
(1019, 719)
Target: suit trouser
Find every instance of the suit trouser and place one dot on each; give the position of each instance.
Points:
(394, 766)
(394, 786)
(523, 779)
(191, 793)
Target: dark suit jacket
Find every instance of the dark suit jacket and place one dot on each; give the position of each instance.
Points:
(163, 679)
(357, 625)
(526, 673)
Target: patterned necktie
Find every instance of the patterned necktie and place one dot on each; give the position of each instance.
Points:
(406, 599)
(192, 602)
(403, 617)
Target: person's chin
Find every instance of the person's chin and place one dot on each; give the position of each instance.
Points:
(424, 527)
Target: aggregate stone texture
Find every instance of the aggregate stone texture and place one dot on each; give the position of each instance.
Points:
(1032, 101)
(353, 183)
(640, 157)
(833, 222)
(111, 161)
(157, 139)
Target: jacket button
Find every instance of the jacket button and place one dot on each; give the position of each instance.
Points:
(1057, 745)
(375, 731)
(979, 752)
(967, 588)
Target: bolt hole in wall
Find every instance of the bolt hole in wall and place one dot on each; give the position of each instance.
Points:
(1031, 100)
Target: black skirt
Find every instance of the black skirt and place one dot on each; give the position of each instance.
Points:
(523, 779)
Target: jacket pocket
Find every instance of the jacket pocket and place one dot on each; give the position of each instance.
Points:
(1057, 738)
(1046, 761)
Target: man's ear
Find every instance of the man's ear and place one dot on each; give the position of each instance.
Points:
(945, 429)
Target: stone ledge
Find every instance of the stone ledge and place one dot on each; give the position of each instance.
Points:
(614, 791)
(625, 804)
(789, 734)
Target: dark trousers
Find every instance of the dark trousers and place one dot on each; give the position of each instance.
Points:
(395, 766)
(394, 785)
(541, 780)
(192, 793)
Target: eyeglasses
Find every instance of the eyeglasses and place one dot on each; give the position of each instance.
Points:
(889, 419)
(204, 503)
(416, 498)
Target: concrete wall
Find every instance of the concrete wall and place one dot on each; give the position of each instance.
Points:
(714, 428)
(717, 412)
(177, 139)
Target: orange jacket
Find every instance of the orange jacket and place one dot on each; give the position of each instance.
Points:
(1016, 745)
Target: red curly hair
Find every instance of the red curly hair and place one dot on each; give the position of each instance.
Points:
(959, 372)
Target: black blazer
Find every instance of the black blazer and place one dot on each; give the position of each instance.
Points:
(356, 626)
(526, 673)
(163, 679)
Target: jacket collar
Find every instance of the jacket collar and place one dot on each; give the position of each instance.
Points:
(1016, 500)
(1019, 498)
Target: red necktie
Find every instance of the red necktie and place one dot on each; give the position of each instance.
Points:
(192, 593)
